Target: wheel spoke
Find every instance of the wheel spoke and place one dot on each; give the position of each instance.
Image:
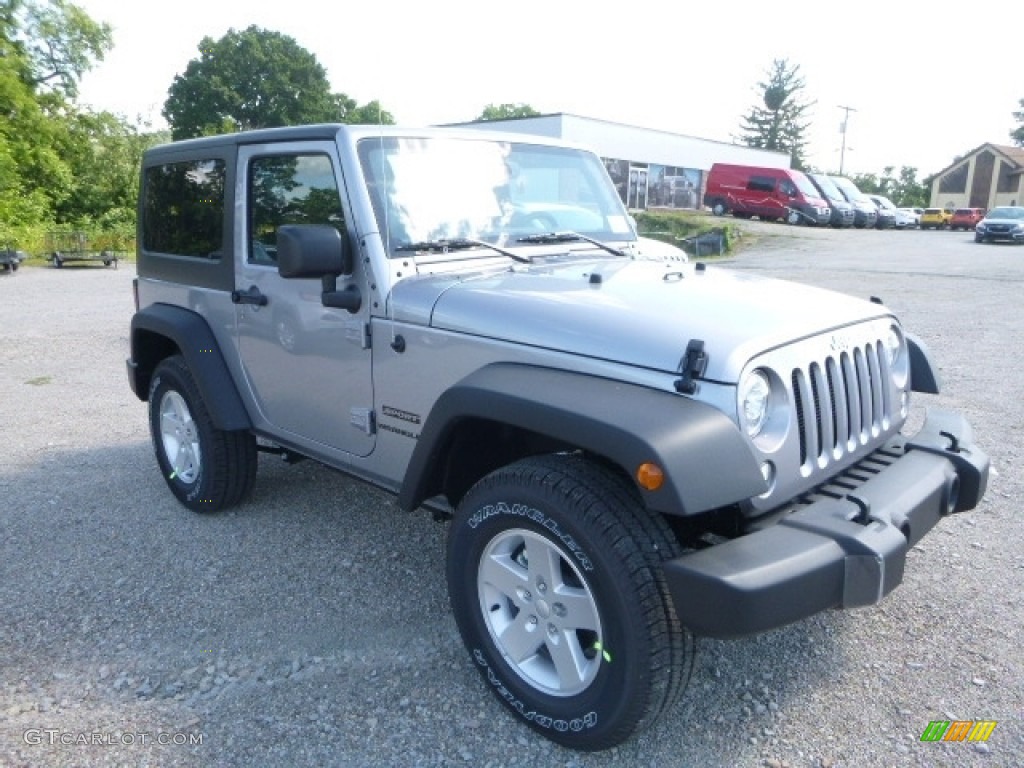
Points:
(522, 638)
(170, 422)
(183, 459)
(580, 611)
(570, 663)
(545, 563)
(504, 574)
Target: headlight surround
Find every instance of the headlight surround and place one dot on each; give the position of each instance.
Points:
(753, 398)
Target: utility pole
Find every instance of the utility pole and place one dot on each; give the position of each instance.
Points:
(842, 130)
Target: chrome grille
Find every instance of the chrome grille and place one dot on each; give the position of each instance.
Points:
(842, 402)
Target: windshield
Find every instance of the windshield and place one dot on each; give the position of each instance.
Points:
(804, 185)
(853, 194)
(427, 190)
(1009, 212)
(830, 190)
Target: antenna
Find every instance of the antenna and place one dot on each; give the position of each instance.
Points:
(842, 130)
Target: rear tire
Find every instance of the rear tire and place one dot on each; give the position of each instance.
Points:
(555, 580)
(206, 468)
(719, 209)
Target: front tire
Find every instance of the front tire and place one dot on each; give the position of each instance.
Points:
(206, 468)
(555, 580)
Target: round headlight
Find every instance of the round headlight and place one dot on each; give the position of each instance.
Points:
(896, 355)
(754, 394)
(893, 345)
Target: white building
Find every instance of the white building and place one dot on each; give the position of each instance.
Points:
(650, 168)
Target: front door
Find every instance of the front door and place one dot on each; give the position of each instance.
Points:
(307, 365)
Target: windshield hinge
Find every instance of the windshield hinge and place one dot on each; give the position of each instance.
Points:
(358, 332)
(692, 367)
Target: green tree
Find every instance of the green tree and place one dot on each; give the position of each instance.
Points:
(44, 50)
(778, 121)
(903, 189)
(61, 42)
(506, 111)
(256, 78)
(104, 152)
(370, 113)
(1017, 135)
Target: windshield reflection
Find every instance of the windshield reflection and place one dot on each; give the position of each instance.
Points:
(432, 189)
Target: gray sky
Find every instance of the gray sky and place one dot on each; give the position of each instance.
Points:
(928, 84)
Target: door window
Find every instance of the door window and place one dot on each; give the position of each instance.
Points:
(289, 189)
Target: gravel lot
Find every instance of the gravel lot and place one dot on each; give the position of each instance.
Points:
(310, 627)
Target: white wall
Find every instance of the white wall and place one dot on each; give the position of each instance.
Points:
(640, 145)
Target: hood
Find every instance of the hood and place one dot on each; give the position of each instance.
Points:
(631, 312)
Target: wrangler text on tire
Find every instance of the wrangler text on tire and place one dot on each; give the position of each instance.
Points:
(554, 574)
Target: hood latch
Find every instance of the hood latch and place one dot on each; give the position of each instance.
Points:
(692, 366)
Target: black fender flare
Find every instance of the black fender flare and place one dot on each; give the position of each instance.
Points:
(924, 376)
(706, 461)
(191, 335)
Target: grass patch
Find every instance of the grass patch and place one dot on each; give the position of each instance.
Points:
(39, 381)
(690, 229)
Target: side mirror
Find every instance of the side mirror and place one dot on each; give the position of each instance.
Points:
(318, 250)
(312, 250)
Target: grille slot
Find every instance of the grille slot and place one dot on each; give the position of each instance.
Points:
(842, 403)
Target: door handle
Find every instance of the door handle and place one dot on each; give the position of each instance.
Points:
(251, 296)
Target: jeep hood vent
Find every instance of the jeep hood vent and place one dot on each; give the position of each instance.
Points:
(637, 313)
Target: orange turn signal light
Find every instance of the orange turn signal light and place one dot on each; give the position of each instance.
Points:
(650, 476)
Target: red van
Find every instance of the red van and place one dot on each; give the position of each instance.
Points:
(769, 193)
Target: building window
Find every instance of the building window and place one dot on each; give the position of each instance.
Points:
(1008, 180)
(954, 182)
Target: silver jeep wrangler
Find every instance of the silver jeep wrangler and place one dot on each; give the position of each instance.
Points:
(632, 449)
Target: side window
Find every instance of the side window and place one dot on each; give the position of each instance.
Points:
(289, 189)
(761, 184)
(183, 209)
(787, 188)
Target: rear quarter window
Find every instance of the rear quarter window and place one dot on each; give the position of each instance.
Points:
(183, 209)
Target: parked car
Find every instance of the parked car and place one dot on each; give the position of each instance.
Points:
(936, 218)
(914, 214)
(10, 259)
(1005, 222)
(842, 211)
(865, 212)
(768, 193)
(966, 218)
(886, 211)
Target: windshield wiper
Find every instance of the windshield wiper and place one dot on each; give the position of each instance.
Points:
(569, 237)
(459, 244)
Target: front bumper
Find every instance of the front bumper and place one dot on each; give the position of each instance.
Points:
(1010, 236)
(846, 548)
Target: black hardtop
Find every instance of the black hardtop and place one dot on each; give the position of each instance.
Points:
(223, 143)
(319, 131)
